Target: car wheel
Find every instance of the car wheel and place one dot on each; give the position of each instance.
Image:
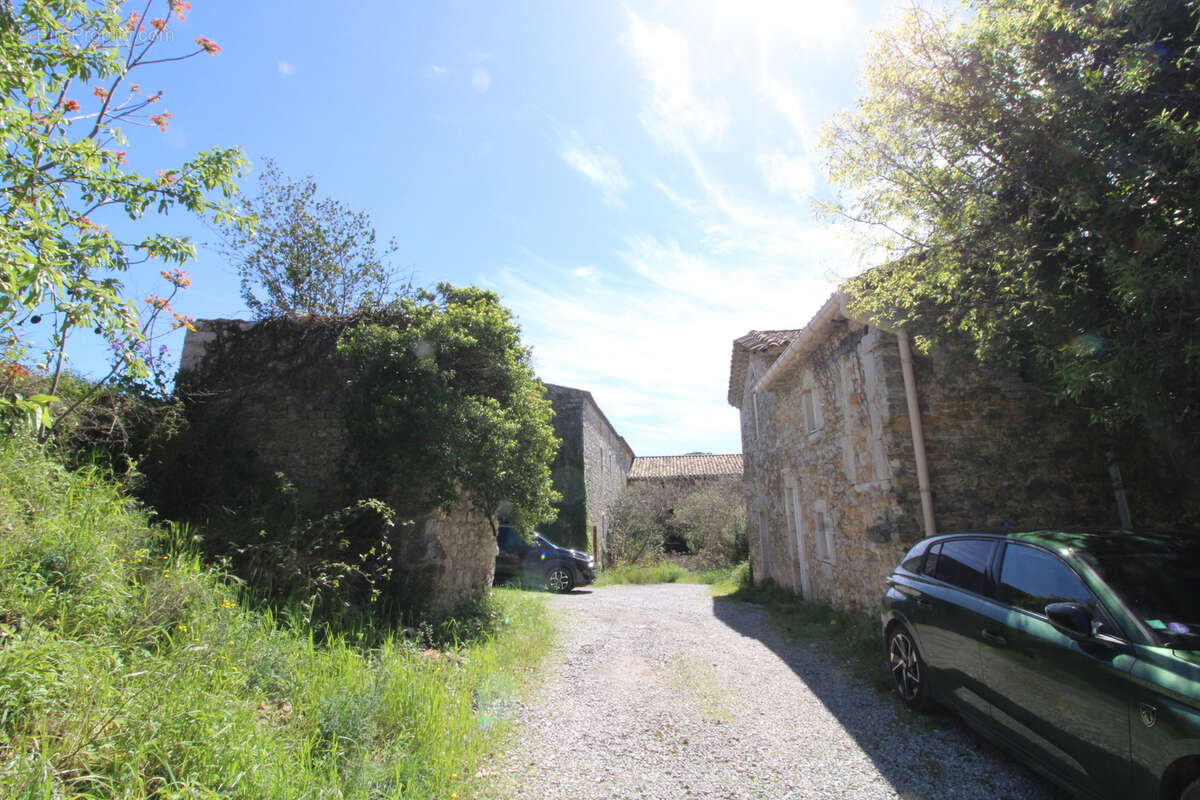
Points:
(908, 669)
(1191, 791)
(559, 579)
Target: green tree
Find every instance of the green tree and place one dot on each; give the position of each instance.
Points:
(65, 94)
(308, 254)
(444, 401)
(1033, 174)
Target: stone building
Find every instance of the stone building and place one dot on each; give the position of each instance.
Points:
(855, 447)
(590, 471)
(270, 403)
(676, 478)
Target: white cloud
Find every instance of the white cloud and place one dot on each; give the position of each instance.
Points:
(790, 175)
(286, 68)
(437, 70)
(586, 273)
(481, 81)
(598, 166)
(675, 115)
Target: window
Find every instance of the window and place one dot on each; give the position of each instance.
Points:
(1033, 579)
(809, 405)
(823, 532)
(757, 432)
(960, 562)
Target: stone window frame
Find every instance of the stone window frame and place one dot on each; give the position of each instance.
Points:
(810, 407)
(823, 533)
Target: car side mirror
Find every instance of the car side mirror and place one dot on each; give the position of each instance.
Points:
(1071, 619)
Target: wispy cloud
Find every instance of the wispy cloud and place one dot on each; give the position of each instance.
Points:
(675, 114)
(597, 165)
(286, 68)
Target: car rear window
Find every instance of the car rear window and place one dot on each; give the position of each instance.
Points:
(960, 562)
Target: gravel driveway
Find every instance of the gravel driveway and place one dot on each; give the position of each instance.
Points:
(664, 692)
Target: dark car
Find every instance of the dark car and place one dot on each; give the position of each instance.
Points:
(541, 562)
(1078, 651)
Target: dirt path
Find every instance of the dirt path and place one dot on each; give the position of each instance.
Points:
(663, 692)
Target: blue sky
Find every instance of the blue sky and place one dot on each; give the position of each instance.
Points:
(635, 180)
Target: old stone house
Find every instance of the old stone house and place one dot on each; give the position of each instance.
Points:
(590, 470)
(855, 447)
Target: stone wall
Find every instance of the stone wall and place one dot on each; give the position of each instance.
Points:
(606, 462)
(269, 399)
(590, 470)
(831, 484)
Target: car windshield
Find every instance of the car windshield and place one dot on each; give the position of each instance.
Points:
(1157, 577)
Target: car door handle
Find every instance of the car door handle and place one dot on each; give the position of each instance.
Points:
(993, 637)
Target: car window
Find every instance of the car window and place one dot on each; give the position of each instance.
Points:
(961, 562)
(1033, 579)
(510, 539)
(912, 561)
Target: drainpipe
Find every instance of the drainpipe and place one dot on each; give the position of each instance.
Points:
(918, 433)
(1114, 472)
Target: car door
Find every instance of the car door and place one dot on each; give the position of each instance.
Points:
(1062, 702)
(946, 615)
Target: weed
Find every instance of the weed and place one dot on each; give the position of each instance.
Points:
(129, 669)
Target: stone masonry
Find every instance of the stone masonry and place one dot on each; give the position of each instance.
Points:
(831, 484)
(273, 399)
(590, 470)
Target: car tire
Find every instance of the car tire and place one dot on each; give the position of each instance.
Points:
(1191, 791)
(559, 579)
(908, 669)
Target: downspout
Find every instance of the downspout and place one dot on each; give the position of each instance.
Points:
(918, 433)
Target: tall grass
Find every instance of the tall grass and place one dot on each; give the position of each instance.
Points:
(128, 669)
(724, 581)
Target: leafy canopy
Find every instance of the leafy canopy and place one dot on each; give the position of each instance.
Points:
(445, 401)
(1033, 174)
(308, 254)
(65, 95)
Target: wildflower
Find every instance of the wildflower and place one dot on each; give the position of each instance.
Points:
(208, 45)
(181, 627)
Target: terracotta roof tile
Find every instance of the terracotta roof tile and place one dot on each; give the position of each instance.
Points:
(694, 465)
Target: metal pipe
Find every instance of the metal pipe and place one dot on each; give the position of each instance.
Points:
(918, 433)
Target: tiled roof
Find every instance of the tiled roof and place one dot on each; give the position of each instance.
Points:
(695, 465)
(758, 341)
(753, 342)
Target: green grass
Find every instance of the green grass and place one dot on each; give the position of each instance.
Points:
(852, 639)
(129, 670)
(662, 572)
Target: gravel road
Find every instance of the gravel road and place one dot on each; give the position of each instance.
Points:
(663, 692)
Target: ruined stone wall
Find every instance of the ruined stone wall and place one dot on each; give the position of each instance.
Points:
(269, 399)
(832, 489)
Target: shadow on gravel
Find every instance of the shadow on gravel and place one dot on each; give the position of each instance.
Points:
(910, 766)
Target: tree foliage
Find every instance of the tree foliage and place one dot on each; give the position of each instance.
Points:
(65, 95)
(308, 254)
(446, 402)
(708, 517)
(1033, 174)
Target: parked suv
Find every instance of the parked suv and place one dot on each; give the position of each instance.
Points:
(541, 563)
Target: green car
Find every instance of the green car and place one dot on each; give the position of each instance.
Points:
(1079, 651)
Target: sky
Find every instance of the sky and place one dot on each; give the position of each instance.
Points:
(636, 180)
